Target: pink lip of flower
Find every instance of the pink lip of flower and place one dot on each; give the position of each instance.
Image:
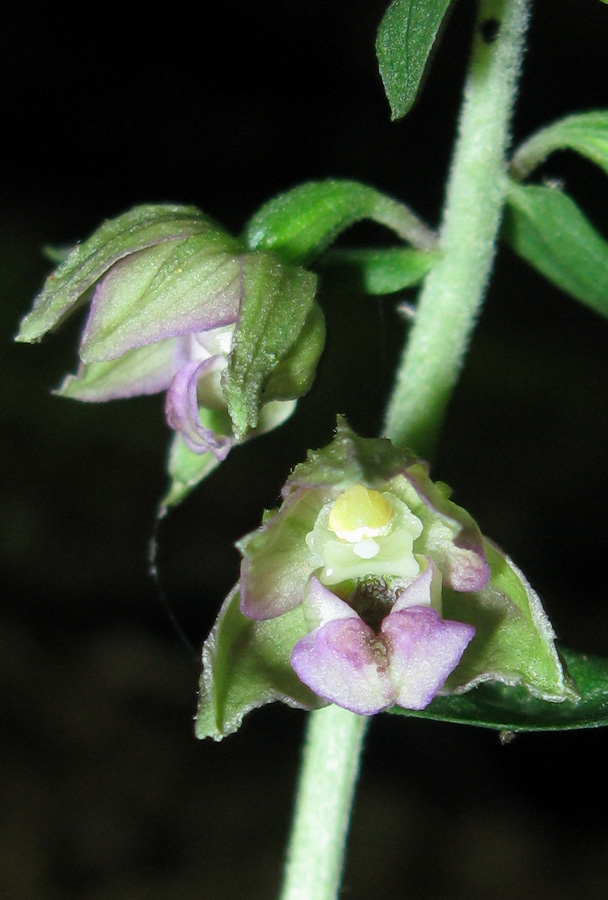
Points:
(169, 365)
(197, 379)
(405, 663)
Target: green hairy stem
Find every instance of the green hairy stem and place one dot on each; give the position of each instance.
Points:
(454, 289)
(327, 784)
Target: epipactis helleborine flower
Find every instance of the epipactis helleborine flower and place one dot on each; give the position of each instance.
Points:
(383, 642)
(373, 604)
(377, 591)
(178, 305)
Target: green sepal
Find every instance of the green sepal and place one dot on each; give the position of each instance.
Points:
(513, 709)
(163, 290)
(302, 222)
(546, 228)
(348, 460)
(96, 382)
(585, 133)
(277, 300)
(403, 45)
(186, 470)
(513, 642)
(141, 227)
(246, 665)
(295, 374)
(378, 272)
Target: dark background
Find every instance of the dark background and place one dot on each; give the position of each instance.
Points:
(105, 791)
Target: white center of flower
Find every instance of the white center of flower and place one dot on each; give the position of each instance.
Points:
(213, 345)
(366, 533)
(215, 342)
(366, 549)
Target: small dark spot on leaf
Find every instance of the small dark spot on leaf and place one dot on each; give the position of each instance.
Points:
(489, 30)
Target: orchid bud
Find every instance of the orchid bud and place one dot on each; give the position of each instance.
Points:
(176, 304)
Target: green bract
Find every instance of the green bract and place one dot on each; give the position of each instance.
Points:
(302, 222)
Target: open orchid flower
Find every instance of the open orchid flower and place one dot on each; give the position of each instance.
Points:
(178, 305)
(369, 588)
(372, 599)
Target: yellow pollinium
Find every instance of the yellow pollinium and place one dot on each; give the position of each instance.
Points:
(360, 513)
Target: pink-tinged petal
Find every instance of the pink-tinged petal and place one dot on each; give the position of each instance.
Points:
(146, 370)
(322, 606)
(423, 649)
(345, 662)
(182, 412)
(278, 562)
(424, 590)
(452, 537)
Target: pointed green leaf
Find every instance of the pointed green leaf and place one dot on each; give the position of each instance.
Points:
(405, 39)
(378, 272)
(135, 230)
(514, 709)
(585, 133)
(277, 300)
(245, 665)
(302, 222)
(546, 228)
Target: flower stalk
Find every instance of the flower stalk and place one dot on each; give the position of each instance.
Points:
(327, 783)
